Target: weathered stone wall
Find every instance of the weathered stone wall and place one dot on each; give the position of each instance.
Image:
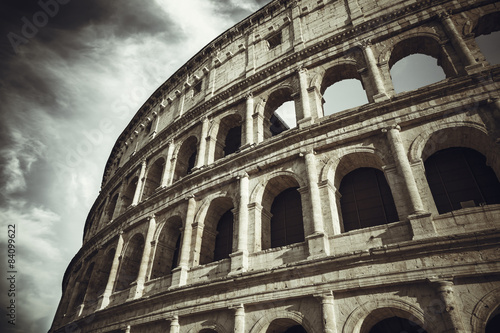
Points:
(441, 271)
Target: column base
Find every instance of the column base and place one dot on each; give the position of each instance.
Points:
(318, 245)
(305, 122)
(471, 69)
(422, 225)
(380, 97)
(102, 302)
(179, 276)
(239, 262)
(136, 291)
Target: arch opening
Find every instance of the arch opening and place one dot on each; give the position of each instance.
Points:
(280, 113)
(100, 280)
(186, 158)
(128, 195)
(416, 58)
(493, 324)
(82, 286)
(153, 178)
(217, 241)
(366, 199)
(228, 136)
(487, 36)
(111, 207)
(167, 248)
(459, 178)
(130, 263)
(285, 326)
(396, 325)
(343, 95)
(342, 88)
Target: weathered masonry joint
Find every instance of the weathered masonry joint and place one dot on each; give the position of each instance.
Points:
(234, 201)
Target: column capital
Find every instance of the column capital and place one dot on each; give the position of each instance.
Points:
(151, 217)
(391, 127)
(237, 307)
(242, 175)
(301, 69)
(249, 95)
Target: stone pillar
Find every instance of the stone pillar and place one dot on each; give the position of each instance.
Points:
(167, 171)
(374, 72)
(404, 168)
(305, 117)
(328, 312)
(298, 37)
(141, 276)
(239, 318)
(330, 192)
(179, 273)
(200, 159)
(451, 310)
(239, 260)
(249, 121)
(140, 182)
(127, 329)
(250, 65)
(174, 325)
(420, 220)
(113, 272)
(457, 40)
(317, 241)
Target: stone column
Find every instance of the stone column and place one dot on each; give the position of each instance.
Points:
(113, 272)
(127, 329)
(457, 40)
(249, 120)
(180, 273)
(328, 312)
(421, 221)
(140, 182)
(298, 37)
(317, 241)
(304, 96)
(174, 324)
(374, 72)
(404, 168)
(167, 171)
(141, 276)
(451, 311)
(200, 159)
(239, 260)
(239, 318)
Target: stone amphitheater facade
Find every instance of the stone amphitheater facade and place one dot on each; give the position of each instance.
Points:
(215, 217)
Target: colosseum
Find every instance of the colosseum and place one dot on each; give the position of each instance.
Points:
(219, 214)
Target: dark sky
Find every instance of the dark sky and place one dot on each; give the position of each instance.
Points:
(68, 69)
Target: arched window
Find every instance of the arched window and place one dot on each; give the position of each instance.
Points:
(417, 62)
(366, 199)
(217, 241)
(224, 238)
(279, 112)
(286, 221)
(100, 279)
(233, 141)
(111, 207)
(459, 178)
(166, 248)
(284, 325)
(342, 89)
(487, 33)
(228, 136)
(493, 324)
(153, 179)
(83, 284)
(343, 95)
(130, 263)
(186, 158)
(128, 196)
(396, 325)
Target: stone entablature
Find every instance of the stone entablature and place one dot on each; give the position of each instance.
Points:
(148, 260)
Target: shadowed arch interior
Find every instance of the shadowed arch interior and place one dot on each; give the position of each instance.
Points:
(167, 248)
(285, 325)
(186, 158)
(153, 178)
(396, 325)
(128, 195)
(459, 178)
(228, 136)
(218, 235)
(130, 263)
(366, 199)
(277, 121)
